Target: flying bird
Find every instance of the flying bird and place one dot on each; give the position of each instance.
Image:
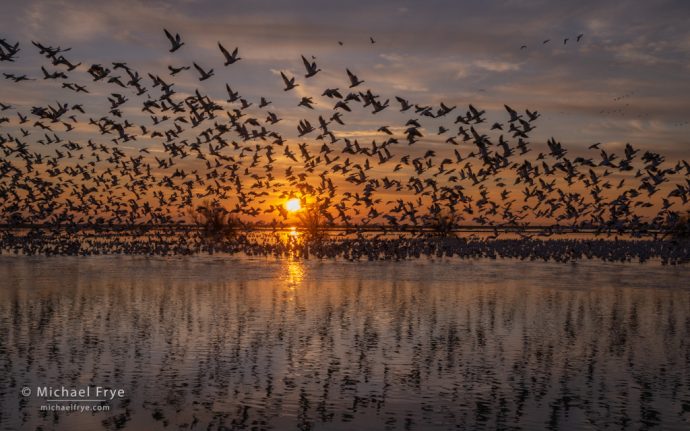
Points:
(175, 70)
(307, 102)
(354, 81)
(229, 58)
(289, 83)
(175, 41)
(311, 68)
(204, 75)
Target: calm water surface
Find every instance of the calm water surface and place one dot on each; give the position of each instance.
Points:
(237, 343)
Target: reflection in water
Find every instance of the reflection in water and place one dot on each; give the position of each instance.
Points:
(294, 272)
(212, 342)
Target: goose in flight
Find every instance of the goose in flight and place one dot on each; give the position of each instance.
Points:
(306, 102)
(303, 128)
(204, 74)
(17, 78)
(12, 50)
(229, 58)
(404, 103)
(53, 75)
(579, 36)
(175, 41)
(532, 115)
(289, 83)
(234, 95)
(354, 81)
(264, 102)
(332, 93)
(311, 68)
(514, 116)
(444, 110)
(378, 106)
(175, 70)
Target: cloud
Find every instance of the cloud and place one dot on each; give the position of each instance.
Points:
(448, 52)
(496, 66)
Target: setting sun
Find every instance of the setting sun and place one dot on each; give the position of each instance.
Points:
(293, 205)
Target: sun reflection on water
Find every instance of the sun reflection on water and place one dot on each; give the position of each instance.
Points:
(294, 272)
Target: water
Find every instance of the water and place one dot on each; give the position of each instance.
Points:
(237, 343)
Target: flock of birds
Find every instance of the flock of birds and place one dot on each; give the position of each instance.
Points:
(578, 38)
(437, 169)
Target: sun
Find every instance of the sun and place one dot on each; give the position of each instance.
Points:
(293, 205)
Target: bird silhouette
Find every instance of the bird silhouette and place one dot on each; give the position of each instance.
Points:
(289, 83)
(203, 74)
(175, 41)
(229, 58)
(311, 68)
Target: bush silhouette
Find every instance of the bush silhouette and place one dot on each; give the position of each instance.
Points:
(215, 221)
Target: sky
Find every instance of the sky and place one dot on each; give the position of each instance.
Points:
(452, 51)
(624, 81)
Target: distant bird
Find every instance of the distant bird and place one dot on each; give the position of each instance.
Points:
(404, 104)
(17, 78)
(175, 70)
(175, 41)
(53, 75)
(306, 102)
(311, 68)
(514, 116)
(354, 81)
(332, 93)
(233, 95)
(532, 115)
(229, 58)
(204, 75)
(371, 39)
(289, 83)
(579, 36)
(264, 102)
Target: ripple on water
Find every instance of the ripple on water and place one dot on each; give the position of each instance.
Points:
(265, 343)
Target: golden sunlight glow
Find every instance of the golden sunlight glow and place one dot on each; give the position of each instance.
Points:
(293, 205)
(293, 232)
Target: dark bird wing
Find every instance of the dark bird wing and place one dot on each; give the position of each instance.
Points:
(170, 37)
(197, 67)
(225, 52)
(307, 64)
